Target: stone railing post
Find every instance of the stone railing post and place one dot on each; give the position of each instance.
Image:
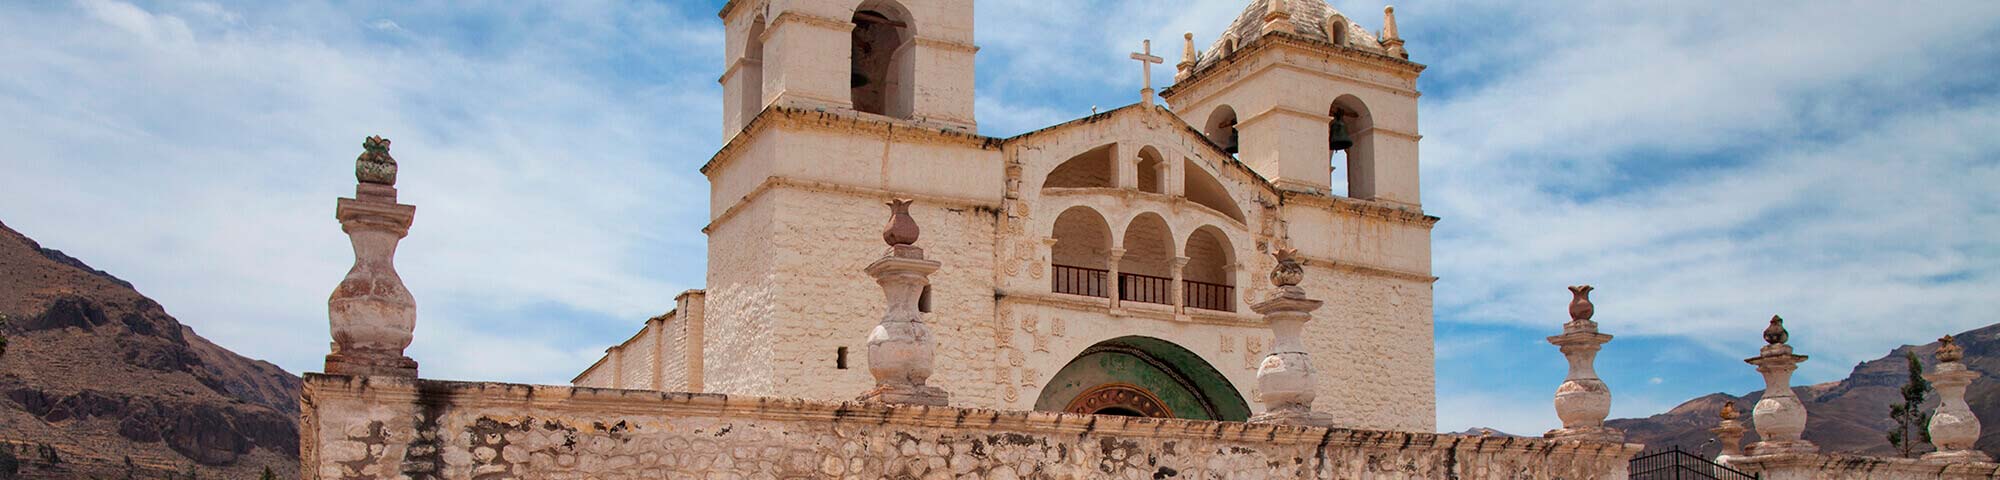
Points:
(1286, 379)
(1178, 290)
(1780, 417)
(1730, 433)
(1953, 426)
(371, 314)
(900, 349)
(1583, 400)
(1111, 283)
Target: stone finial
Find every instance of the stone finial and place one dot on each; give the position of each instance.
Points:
(1287, 382)
(375, 165)
(1390, 38)
(901, 350)
(1953, 427)
(1729, 432)
(1289, 272)
(371, 314)
(1775, 333)
(1389, 23)
(1583, 400)
(902, 229)
(1580, 308)
(1780, 417)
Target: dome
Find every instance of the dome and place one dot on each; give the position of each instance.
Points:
(1311, 20)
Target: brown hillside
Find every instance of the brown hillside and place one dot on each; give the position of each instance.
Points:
(98, 381)
(1850, 415)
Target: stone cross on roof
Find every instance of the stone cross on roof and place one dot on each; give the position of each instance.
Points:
(1146, 61)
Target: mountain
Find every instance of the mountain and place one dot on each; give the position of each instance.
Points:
(1849, 415)
(97, 381)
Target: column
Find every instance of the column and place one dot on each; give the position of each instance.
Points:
(1179, 288)
(1111, 277)
(372, 315)
(1583, 400)
(1953, 426)
(1286, 379)
(1729, 432)
(1780, 417)
(901, 350)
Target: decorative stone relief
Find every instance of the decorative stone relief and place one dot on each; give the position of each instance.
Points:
(1227, 343)
(1253, 350)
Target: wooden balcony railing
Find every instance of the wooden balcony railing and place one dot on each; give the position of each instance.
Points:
(1133, 287)
(1208, 296)
(1084, 281)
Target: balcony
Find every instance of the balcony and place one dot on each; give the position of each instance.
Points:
(1132, 287)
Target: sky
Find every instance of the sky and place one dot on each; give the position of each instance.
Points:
(1704, 164)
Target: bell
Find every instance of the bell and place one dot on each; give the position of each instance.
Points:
(1337, 139)
(1231, 148)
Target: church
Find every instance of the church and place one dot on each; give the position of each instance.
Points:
(1235, 284)
(1101, 265)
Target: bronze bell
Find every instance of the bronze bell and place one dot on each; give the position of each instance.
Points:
(1337, 139)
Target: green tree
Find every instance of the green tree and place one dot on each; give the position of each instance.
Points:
(269, 475)
(1910, 415)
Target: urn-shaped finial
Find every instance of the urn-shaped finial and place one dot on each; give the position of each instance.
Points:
(1776, 334)
(1729, 411)
(1580, 308)
(1949, 351)
(902, 228)
(375, 165)
(1288, 272)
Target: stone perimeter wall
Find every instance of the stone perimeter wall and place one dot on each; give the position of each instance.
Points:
(1795, 466)
(378, 428)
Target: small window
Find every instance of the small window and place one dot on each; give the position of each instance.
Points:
(840, 358)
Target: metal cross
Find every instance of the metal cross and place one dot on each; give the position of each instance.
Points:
(1146, 61)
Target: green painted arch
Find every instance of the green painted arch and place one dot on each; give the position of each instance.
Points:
(1188, 385)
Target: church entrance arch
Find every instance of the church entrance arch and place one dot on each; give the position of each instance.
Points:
(1142, 377)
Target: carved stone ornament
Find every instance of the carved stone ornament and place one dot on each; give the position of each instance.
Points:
(902, 228)
(1580, 308)
(375, 165)
(1948, 350)
(1289, 272)
(1776, 334)
(1729, 410)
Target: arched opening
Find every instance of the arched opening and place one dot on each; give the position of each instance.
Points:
(882, 67)
(1203, 189)
(1091, 169)
(1336, 29)
(1081, 254)
(1209, 279)
(1221, 129)
(1142, 376)
(1351, 140)
(1152, 171)
(1145, 273)
(753, 72)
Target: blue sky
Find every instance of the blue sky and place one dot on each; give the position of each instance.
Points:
(1705, 164)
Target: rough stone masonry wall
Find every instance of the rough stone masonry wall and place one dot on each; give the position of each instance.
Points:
(1794, 466)
(371, 428)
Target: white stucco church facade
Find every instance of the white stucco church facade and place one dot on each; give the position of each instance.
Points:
(1101, 265)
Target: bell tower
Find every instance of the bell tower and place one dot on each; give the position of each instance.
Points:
(908, 61)
(1304, 96)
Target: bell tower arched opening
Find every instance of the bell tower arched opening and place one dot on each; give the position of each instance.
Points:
(1351, 140)
(1142, 376)
(883, 68)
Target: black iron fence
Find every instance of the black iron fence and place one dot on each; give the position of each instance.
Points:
(1677, 464)
(1084, 281)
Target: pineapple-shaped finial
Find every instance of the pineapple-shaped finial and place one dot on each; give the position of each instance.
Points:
(1949, 351)
(375, 165)
(1776, 334)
